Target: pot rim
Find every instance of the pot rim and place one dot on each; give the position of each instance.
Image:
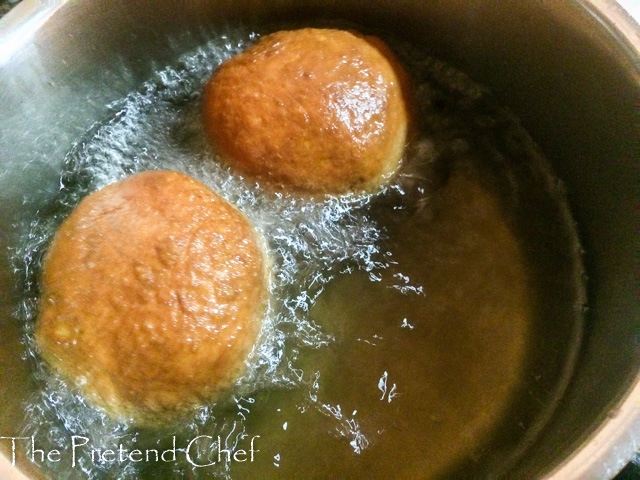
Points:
(613, 444)
(606, 450)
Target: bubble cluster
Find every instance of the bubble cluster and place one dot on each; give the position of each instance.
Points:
(310, 240)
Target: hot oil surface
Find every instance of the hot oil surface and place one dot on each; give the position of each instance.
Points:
(407, 331)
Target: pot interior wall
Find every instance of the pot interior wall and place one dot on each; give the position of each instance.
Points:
(575, 93)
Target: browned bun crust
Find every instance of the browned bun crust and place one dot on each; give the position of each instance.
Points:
(153, 293)
(312, 110)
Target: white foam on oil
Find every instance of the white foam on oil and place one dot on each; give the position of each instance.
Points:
(308, 240)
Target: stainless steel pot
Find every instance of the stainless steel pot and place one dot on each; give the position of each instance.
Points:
(569, 69)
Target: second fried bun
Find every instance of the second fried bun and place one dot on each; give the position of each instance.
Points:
(310, 110)
(153, 295)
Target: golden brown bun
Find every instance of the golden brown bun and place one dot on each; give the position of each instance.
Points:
(153, 291)
(312, 110)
